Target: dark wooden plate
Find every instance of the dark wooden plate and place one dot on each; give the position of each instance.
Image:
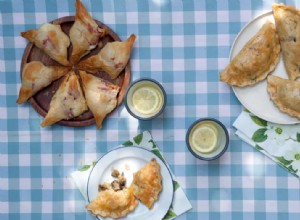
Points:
(41, 101)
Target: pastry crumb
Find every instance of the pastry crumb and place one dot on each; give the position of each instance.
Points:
(127, 167)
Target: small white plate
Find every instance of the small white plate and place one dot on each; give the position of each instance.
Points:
(256, 98)
(129, 160)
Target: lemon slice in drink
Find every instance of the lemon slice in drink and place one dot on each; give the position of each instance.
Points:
(204, 138)
(146, 100)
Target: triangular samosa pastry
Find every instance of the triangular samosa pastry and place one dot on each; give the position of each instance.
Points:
(36, 76)
(84, 34)
(256, 60)
(147, 183)
(112, 58)
(287, 20)
(285, 95)
(68, 101)
(101, 96)
(52, 40)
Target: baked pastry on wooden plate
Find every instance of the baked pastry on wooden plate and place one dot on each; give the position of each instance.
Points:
(50, 48)
(84, 34)
(36, 76)
(52, 40)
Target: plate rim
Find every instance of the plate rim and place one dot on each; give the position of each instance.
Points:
(123, 147)
(71, 123)
(267, 13)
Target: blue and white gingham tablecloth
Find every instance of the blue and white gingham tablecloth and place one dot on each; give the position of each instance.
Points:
(181, 43)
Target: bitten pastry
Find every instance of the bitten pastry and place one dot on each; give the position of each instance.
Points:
(287, 20)
(285, 95)
(114, 204)
(52, 40)
(68, 101)
(256, 60)
(112, 58)
(36, 76)
(147, 183)
(101, 96)
(84, 33)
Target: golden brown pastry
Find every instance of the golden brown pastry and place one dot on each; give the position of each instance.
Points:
(287, 20)
(36, 76)
(52, 40)
(285, 94)
(112, 58)
(84, 33)
(147, 183)
(256, 60)
(114, 204)
(101, 96)
(68, 101)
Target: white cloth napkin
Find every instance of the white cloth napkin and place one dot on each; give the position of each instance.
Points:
(279, 142)
(180, 202)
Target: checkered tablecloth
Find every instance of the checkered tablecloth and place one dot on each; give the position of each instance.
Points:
(181, 43)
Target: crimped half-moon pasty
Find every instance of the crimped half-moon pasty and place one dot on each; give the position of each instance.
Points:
(101, 96)
(84, 33)
(36, 76)
(114, 204)
(147, 183)
(287, 20)
(112, 58)
(68, 101)
(285, 94)
(52, 40)
(256, 60)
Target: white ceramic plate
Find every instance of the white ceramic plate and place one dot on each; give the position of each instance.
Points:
(129, 160)
(256, 98)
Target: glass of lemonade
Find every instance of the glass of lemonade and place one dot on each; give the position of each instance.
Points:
(207, 139)
(145, 99)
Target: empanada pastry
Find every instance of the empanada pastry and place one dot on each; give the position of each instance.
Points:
(147, 183)
(36, 76)
(101, 96)
(68, 101)
(114, 204)
(52, 40)
(84, 33)
(285, 95)
(112, 58)
(256, 60)
(287, 20)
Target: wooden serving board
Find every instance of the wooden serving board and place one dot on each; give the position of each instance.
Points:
(41, 101)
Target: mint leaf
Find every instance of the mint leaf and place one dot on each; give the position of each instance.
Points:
(259, 121)
(84, 168)
(138, 139)
(127, 144)
(259, 135)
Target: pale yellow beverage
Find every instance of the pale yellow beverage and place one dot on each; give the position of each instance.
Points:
(145, 99)
(207, 139)
(204, 137)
